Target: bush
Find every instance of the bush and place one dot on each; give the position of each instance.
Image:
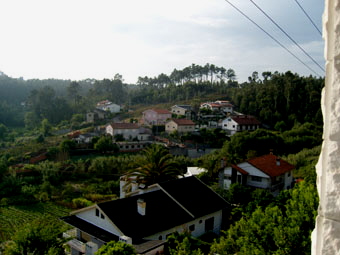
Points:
(81, 202)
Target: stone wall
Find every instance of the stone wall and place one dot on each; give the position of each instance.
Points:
(326, 235)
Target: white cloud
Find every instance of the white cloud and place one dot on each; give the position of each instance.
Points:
(80, 39)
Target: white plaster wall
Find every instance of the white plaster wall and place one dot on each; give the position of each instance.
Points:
(326, 235)
(90, 216)
(199, 227)
(264, 184)
(253, 171)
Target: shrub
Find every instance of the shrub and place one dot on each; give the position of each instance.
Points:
(81, 202)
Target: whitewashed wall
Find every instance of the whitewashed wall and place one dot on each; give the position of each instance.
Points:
(90, 216)
(326, 235)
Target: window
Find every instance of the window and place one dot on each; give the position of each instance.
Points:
(192, 227)
(200, 222)
(289, 174)
(256, 179)
(97, 212)
(102, 216)
(160, 238)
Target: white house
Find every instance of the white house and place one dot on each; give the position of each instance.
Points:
(107, 105)
(181, 109)
(240, 123)
(127, 130)
(145, 220)
(219, 105)
(265, 172)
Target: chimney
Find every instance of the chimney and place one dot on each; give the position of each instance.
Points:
(278, 163)
(141, 206)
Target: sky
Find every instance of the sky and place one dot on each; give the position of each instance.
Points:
(80, 39)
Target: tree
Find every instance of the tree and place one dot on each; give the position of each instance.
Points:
(155, 165)
(67, 145)
(105, 144)
(116, 248)
(274, 229)
(45, 127)
(73, 91)
(3, 130)
(39, 237)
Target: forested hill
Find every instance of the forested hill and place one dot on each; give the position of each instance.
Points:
(275, 98)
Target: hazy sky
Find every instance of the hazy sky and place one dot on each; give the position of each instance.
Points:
(79, 39)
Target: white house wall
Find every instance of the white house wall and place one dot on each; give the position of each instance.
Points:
(252, 170)
(90, 216)
(199, 227)
(263, 184)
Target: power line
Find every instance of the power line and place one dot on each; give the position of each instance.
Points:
(273, 38)
(287, 35)
(310, 19)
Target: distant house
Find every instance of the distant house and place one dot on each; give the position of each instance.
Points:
(239, 123)
(265, 172)
(146, 220)
(219, 105)
(182, 110)
(155, 116)
(107, 105)
(179, 125)
(96, 114)
(127, 130)
(85, 138)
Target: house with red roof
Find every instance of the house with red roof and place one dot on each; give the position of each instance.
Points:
(146, 219)
(265, 172)
(156, 116)
(219, 105)
(179, 125)
(238, 123)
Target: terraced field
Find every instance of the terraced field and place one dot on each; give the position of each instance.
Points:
(14, 217)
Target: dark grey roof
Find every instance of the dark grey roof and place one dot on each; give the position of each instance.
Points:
(89, 228)
(194, 195)
(162, 213)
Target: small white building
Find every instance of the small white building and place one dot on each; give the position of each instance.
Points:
(181, 110)
(219, 105)
(265, 172)
(239, 123)
(107, 105)
(128, 130)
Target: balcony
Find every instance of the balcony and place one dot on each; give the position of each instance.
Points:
(277, 186)
(77, 245)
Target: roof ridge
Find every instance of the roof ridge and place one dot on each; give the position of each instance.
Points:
(167, 193)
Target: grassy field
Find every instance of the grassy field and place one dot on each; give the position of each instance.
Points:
(13, 218)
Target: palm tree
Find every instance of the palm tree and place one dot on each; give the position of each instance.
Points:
(154, 166)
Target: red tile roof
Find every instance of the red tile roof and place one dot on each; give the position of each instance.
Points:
(268, 164)
(239, 169)
(161, 111)
(183, 122)
(124, 126)
(246, 120)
